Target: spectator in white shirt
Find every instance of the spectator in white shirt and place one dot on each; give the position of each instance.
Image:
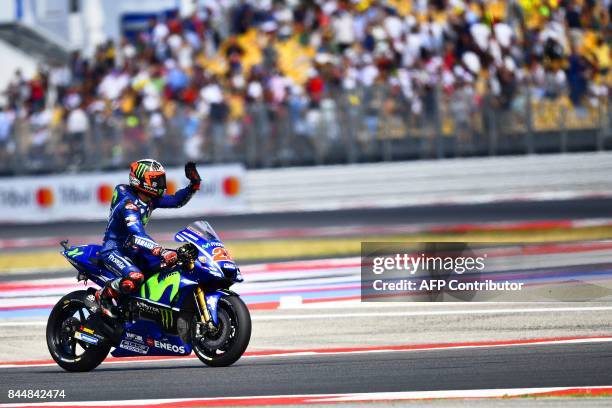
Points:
(77, 125)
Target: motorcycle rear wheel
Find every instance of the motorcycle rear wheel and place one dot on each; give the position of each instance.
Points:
(69, 353)
(233, 336)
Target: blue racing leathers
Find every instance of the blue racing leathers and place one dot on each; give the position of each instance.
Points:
(125, 239)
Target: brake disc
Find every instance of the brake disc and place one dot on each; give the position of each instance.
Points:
(214, 340)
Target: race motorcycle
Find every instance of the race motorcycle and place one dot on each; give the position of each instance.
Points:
(186, 308)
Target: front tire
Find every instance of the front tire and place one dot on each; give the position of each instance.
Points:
(226, 346)
(69, 353)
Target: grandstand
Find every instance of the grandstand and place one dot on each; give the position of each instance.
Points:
(288, 82)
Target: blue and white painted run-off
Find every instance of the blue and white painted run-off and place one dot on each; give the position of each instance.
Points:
(280, 284)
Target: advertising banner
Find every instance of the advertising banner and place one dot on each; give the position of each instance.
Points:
(87, 196)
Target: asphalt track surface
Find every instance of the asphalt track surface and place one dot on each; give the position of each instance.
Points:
(431, 214)
(587, 364)
(572, 365)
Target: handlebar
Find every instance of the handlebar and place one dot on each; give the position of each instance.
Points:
(187, 253)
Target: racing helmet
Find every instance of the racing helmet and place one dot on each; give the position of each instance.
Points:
(149, 177)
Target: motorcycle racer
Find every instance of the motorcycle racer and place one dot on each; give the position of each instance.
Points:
(126, 240)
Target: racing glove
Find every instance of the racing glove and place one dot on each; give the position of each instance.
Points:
(192, 174)
(168, 257)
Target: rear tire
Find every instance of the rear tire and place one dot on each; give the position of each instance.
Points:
(235, 316)
(70, 311)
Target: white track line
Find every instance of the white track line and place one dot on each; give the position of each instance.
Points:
(386, 314)
(33, 323)
(430, 313)
(425, 395)
(326, 398)
(332, 352)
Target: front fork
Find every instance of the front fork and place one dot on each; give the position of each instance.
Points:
(201, 301)
(208, 319)
(208, 303)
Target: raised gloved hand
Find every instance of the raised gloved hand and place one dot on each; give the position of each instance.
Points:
(192, 174)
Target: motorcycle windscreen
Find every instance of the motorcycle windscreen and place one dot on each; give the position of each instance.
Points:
(199, 233)
(212, 250)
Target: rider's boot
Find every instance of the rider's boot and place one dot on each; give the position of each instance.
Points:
(105, 297)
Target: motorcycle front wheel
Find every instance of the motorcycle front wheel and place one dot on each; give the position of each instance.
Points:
(226, 344)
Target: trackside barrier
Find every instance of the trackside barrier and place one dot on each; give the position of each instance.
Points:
(230, 189)
(87, 196)
(479, 180)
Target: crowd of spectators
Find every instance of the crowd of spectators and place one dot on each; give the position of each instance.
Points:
(201, 85)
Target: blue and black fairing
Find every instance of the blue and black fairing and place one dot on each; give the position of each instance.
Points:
(144, 338)
(214, 261)
(213, 264)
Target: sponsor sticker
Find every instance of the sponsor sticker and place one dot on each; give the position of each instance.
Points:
(169, 347)
(131, 220)
(85, 337)
(197, 232)
(118, 262)
(145, 243)
(212, 244)
(147, 308)
(167, 318)
(134, 337)
(74, 252)
(212, 301)
(135, 347)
